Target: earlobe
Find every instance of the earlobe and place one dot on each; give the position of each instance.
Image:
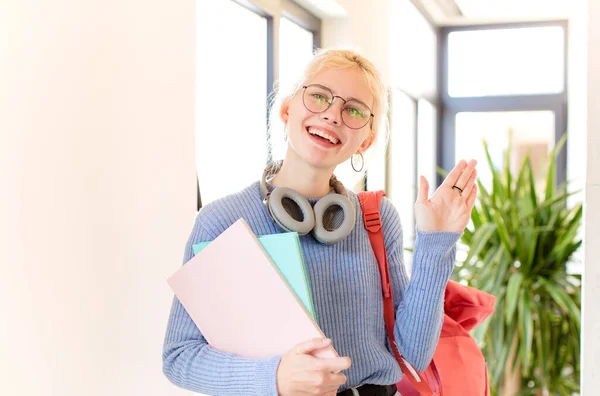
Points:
(366, 143)
(284, 111)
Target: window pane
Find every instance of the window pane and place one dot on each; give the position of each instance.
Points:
(295, 51)
(506, 61)
(427, 142)
(402, 163)
(231, 98)
(413, 51)
(531, 130)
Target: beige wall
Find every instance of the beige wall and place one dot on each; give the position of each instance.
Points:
(98, 191)
(591, 285)
(577, 98)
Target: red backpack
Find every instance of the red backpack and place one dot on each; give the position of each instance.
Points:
(458, 366)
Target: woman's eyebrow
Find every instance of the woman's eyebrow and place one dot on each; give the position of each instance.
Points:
(357, 100)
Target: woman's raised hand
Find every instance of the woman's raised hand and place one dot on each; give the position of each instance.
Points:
(449, 208)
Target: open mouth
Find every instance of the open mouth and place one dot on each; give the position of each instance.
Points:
(323, 137)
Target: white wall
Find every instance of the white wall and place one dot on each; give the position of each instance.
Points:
(366, 29)
(591, 283)
(97, 191)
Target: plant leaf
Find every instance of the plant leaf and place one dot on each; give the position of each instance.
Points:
(481, 237)
(502, 232)
(563, 300)
(476, 218)
(526, 328)
(532, 193)
(512, 293)
(542, 339)
(497, 188)
(551, 175)
(507, 172)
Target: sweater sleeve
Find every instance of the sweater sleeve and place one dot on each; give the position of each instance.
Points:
(190, 363)
(419, 302)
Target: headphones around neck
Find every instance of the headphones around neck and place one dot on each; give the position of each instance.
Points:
(293, 213)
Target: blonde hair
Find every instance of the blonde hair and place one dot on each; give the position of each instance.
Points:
(325, 59)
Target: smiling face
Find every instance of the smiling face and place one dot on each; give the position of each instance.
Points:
(323, 140)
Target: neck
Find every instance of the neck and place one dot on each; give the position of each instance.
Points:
(307, 180)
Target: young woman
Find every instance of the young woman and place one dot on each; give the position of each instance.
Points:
(333, 114)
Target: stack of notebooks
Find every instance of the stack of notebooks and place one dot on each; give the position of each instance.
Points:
(249, 296)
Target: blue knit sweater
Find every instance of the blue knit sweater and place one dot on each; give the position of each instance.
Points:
(347, 296)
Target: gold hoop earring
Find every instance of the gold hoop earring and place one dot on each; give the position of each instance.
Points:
(362, 163)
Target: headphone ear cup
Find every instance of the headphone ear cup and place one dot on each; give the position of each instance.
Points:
(281, 216)
(349, 211)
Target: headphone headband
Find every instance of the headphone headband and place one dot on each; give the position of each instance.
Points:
(312, 219)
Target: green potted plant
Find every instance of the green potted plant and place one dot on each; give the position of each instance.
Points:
(518, 244)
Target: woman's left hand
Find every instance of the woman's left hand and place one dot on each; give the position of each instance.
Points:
(448, 209)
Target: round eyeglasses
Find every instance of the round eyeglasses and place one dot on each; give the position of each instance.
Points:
(317, 99)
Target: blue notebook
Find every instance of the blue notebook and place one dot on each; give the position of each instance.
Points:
(286, 253)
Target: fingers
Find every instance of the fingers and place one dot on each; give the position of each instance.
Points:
(455, 173)
(333, 383)
(338, 379)
(460, 174)
(312, 345)
(470, 183)
(423, 194)
(465, 175)
(299, 373)
(471, 197)
(333, 365)
(329, 377)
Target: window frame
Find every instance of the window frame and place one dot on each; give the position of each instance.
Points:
(451, 106)
(299, 16)
(296, 14)
(303, 18)
(434, 100)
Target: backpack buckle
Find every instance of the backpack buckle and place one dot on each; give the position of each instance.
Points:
(372, 221)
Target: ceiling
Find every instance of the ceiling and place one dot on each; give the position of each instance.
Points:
(323, 8)
(453, 12)
(457, 12)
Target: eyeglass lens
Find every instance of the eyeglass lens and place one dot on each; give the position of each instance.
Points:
(318, 99)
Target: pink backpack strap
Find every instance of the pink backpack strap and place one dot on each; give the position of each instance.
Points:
(370, 202)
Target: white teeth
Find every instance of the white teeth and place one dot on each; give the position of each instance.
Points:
(318, 132)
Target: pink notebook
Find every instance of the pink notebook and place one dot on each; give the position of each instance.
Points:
(240, 301)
